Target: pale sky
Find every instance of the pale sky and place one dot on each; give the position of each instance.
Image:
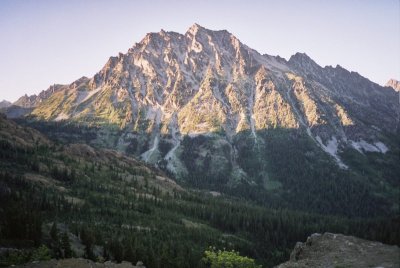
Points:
(47, 42)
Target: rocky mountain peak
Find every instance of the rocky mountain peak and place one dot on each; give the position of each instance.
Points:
(151, 43)
(393, 83)
(34, 100)
(77, 83)
(301, 56)
(204, 35)
(194, 29)
(303, 62)
(5, 104)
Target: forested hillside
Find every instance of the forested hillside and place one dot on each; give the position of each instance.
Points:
(118, 209)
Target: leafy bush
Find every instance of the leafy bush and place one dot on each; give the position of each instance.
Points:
(42, 253)
(227, 259)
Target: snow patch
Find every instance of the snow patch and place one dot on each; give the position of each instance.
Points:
(214, 193)
(85, 95)
(156, 116)
(81, 95)
(363, 146)
(146, 155)
(251, 108)
(132, 98)
(173, 163)
(332, 149)
(171, 153)
(61, 116)
(382, 147)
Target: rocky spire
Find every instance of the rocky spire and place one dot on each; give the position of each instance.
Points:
(393, 83)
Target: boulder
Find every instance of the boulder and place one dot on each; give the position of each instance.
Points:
(336, 250)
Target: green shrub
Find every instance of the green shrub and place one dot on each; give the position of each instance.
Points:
(42, 253)
(227, 259)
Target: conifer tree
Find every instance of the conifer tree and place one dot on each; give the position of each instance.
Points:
(66, 246)
(54, 232)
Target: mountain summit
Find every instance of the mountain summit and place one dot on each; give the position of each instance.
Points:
(393, 83)
(5, 104)
(213, 111)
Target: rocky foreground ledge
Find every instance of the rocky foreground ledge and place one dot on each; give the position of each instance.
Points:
(319, 251)
(79, 263)
(336, 250)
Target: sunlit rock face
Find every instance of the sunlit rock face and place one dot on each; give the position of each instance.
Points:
(393, 83)
(170, 86)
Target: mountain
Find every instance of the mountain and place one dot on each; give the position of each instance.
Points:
(393, 83)
(25, 104)
(216, 114)
(35, 100)
(4, 104)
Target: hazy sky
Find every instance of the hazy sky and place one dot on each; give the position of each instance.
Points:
(46, 42)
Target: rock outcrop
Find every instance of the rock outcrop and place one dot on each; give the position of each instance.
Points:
(336, 250)
(35, 100)
(79, 263)
(393, 83)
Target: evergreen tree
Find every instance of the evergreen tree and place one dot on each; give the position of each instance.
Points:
(66, 246)
(54, 232)
(117, 250)
(87, 239)
(129, 254)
